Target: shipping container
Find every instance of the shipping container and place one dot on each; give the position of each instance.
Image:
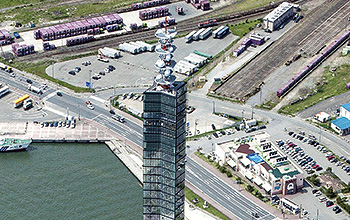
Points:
(150, 47)
(189, 37)
(197, 34)
(128, 48)
(205, 33)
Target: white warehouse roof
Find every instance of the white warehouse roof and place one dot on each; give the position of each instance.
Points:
(280, 10)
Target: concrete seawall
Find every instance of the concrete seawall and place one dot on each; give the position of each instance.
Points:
(129, 157)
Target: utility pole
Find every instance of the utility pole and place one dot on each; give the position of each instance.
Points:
(252, 113)
(319, 139)
(317, 214)
(242, 114)
(79, 112)
(213, 107)
(195, 126)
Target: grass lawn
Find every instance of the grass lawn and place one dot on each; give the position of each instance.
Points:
(243, 5)
(242, 29)
(191, 196)
(332, 84)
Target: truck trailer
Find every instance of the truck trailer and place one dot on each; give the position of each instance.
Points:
(109, 52)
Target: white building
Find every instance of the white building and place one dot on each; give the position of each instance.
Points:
(322, 117)
(279, 16)
(342, 123)
(256, 158)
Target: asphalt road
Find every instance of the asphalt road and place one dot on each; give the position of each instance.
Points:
(206, 181)
(222, 193)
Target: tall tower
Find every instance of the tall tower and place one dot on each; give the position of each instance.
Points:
(164, 144)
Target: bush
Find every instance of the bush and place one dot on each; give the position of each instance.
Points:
(228, 173)
(250, 188)
(223, 169)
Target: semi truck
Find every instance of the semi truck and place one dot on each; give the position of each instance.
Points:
(118, 118)
(35, 89)
(19, 102)
(4, 90)
(27, 104)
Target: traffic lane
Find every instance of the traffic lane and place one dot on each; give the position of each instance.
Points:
(228, 197)
(19, 82)
(224, 188)
(120, 128)
(78, 105)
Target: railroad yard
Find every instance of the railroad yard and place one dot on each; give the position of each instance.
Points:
(247, 80)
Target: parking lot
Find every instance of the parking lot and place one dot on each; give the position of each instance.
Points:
(131, 70)
(310, 155)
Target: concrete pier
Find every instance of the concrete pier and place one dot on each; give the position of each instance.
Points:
(129, 157)
(84, 131)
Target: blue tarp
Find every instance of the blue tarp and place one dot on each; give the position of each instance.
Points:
(255, 158)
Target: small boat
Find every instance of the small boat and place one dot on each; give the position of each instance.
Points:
(13, 144)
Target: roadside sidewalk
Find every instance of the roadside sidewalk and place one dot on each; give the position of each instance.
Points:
(246, 194)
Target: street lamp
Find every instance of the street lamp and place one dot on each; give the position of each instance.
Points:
(195, 126)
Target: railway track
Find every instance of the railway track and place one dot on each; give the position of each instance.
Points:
(245, 82)
(146, 34)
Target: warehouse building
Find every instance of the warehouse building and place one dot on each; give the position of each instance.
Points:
(256, 158)
(279, 16)
(342, 123)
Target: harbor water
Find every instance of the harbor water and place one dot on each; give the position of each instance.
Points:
(67, 181)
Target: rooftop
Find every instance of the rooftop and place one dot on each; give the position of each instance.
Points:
(342, 123)
(277, 12)
(258, 149)
(346, 106)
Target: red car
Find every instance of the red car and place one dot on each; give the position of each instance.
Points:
(330, 157)
(315, 166)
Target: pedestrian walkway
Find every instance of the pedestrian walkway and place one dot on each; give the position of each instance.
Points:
(84, 131)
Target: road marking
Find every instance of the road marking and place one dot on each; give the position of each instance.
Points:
(55, 111)
(97, 99)
(49, 96)
(97, 116)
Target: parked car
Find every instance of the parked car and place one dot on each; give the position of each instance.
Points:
(213, 126)
(72, 72)
(111, 67)
(29, 81)
(319, 168)
(329, 203)
(59, 93)
(322, 199)
(215, 135)
(77, 69)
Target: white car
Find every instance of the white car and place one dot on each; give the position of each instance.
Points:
(106, 70)
(90, 107)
